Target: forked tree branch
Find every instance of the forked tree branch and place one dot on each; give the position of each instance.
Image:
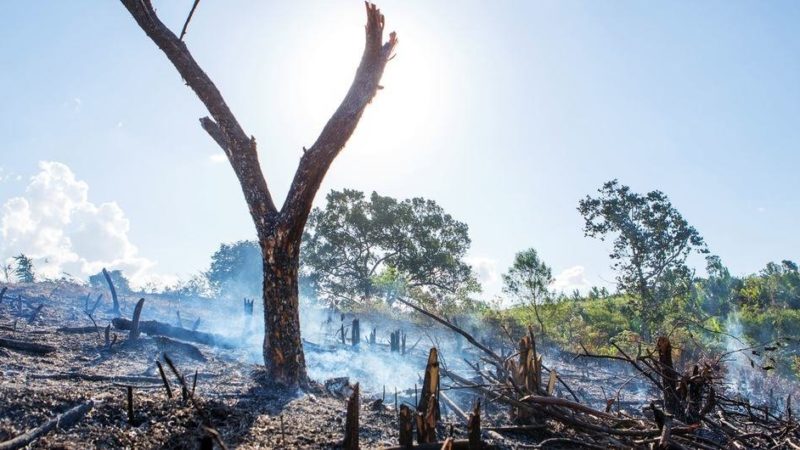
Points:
(224, 128)
(316, 160)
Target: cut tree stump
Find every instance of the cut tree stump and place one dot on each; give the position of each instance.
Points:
(351, 423)
(406, 427)
(137, 313)
(474, 428)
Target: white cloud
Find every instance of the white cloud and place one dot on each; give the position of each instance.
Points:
(570, 279)
(218, 158)
(485, 269)
(6, 175)
(57, 225)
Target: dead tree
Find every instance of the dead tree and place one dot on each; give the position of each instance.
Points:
(137, 313)
(113, 291)
(279, 231)
(351, 423)
(355, 333)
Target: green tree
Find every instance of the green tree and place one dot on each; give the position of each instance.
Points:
(24, 269)
(236, 270)
(357, 249)
(527, 280)
(652, 241)
(777, 285)
(121, 284)
(718, 289)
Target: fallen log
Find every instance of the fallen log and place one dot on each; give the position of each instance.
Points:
(63, 421)
(88, 377)
(555, 414)
(24, 346)
(168, 345)
(153, 327)
(77, 330)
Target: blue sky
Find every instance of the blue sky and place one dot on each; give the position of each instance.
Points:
(505, 113)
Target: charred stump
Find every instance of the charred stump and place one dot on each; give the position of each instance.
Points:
(351, 422)
(355, 332)
(137, 313)
(406, 427)
(474, 427)
(113, 292)
(669, 377)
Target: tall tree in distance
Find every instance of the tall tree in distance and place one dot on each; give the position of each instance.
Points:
(651, 243)
(279, 231)
(528, 279)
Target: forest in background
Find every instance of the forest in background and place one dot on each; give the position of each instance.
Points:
(361, 253)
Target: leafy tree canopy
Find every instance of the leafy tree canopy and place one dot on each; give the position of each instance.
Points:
(652, 241)
(360, 249)
(236, 270)
(527, 280)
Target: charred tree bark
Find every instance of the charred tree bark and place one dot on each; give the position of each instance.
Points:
(279, 231)
(113, 291)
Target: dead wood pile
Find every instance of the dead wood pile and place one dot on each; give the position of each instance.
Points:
(691, 411)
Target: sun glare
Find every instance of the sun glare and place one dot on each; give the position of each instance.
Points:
(403, 113)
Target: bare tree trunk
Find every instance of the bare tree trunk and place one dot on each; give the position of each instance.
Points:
(283, 347)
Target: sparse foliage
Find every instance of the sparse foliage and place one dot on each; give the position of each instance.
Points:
(24, 269)
(527, 280)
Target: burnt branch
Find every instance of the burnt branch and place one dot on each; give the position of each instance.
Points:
(240, 148)
(317, 159)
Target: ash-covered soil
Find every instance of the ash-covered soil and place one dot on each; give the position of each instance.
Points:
(231, 392)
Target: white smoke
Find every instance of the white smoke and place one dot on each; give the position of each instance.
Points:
(55, 223)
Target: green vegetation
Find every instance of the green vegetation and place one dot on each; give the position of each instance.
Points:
(651, 243)
(362, 252)
(24, 269)
(358, 250)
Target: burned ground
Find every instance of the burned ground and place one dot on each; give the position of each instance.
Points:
(596, 402)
